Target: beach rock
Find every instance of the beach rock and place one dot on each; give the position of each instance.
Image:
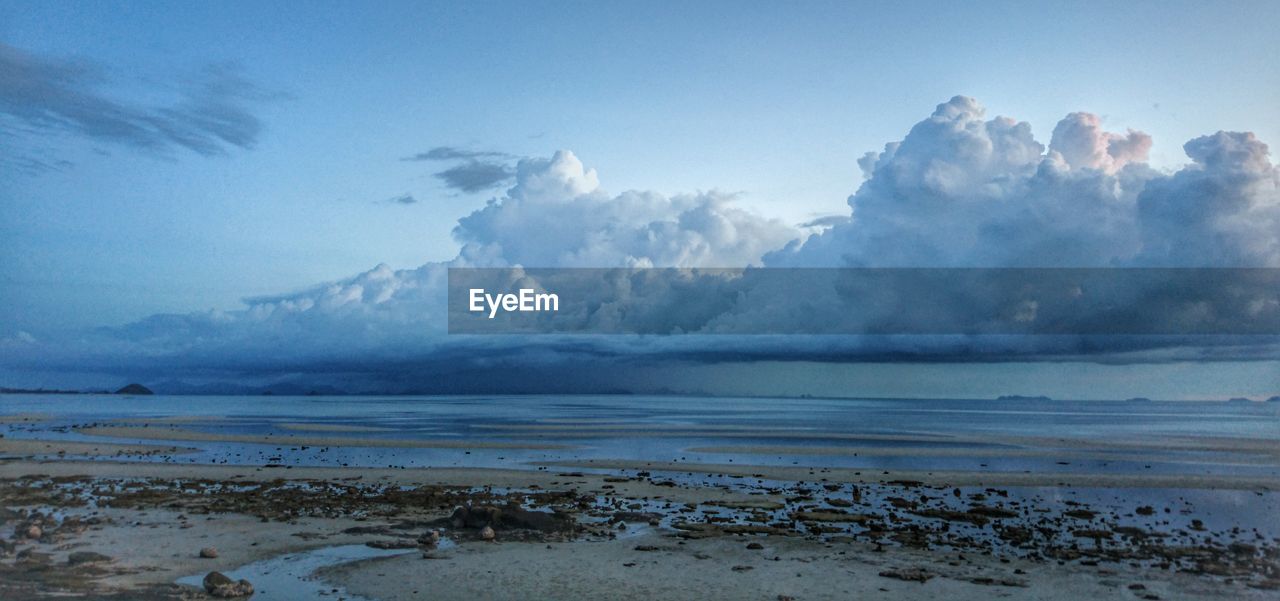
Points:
(488, 534)
(219, 585)
(209, 553)
(83, 557)
(30, 556)
(510, 516)
(830, 516)
(392, 543)
(908, 574)
(993, 512)
(430, 539)
(33, 532)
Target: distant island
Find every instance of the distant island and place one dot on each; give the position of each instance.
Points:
(134, 388)
(1138, 399)
(5, 390)
(1019, 397)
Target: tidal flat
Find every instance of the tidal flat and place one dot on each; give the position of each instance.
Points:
(566, 498)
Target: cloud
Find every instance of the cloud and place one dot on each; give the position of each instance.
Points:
(453, 153)
(476, 171)
(1223, 209)
(826, 221)
(475, 176)
(557, 215)
(964, 190)
(403, 199)
(211, 114)
(960, 189)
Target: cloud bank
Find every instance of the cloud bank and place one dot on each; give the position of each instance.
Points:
(958, 190)
(964, 190)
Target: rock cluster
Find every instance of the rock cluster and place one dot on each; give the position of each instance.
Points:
(219, 585)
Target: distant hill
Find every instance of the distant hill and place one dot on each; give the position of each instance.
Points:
(1239, 399)
(179, 387)
(1018, 397)
(134, 388)
(1274, 399)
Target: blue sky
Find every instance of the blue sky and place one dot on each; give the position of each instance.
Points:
(297, 119)
(773, 101)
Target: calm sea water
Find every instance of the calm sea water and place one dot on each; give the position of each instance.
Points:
(808, 432)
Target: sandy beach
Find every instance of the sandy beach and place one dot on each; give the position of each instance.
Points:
(118, 520)
(371, 504)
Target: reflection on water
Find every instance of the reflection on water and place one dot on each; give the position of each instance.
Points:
(967, 435)
(289, 577)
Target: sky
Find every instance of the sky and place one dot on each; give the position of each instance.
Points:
(181, 158)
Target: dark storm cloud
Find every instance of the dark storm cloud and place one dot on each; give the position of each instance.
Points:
(452, 153)
(475, 171)
(475, 175)
(212, 115)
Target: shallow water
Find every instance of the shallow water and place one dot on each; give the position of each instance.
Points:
(290, 576)
(666, 428)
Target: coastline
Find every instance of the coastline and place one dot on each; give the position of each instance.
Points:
(172, 511)
(574, 525)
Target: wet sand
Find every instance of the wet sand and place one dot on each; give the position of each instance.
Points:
(151, 521)
(612, 528)
(944, 478)
(26, 447)
(653, 566)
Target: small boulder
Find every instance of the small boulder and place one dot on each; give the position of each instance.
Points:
(219, 585)
(83, 557)
(209, 553)
(488, 534)
(430, 539)
(33, 532)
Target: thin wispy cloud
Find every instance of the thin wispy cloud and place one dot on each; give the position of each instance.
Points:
(212, 114)
(402, 199)
(825, 221)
